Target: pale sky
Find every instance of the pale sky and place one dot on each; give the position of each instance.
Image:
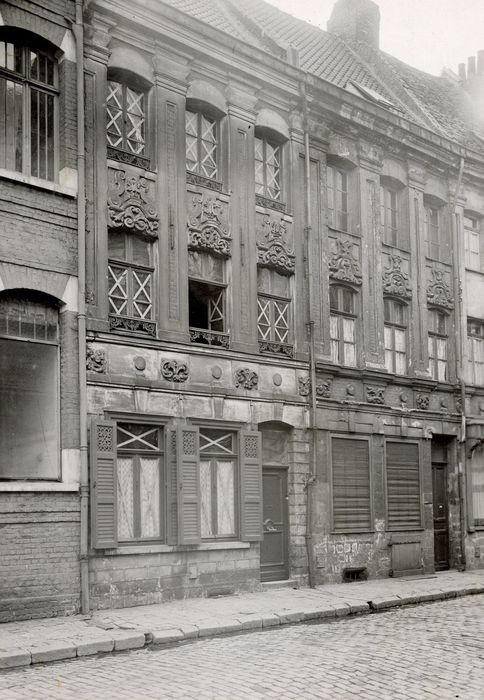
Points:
(427, 34)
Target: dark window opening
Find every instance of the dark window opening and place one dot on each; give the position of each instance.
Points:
(206, 313)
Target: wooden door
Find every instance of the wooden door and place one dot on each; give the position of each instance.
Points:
(440, 501)
(274, 549)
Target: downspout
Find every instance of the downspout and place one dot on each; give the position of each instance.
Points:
(78, 29)
(311, 478)
(462, 480)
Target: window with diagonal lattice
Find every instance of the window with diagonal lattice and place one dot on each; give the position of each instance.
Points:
(268, 168)
(126, 118)
(201, 134)
(218, 461)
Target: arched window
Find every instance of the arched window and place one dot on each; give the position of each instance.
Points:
(29, 387)
(202, 144)
(28, 105)
(342, 304)
(126, 118)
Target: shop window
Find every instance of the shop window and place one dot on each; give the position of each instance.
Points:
(477, 475)
(342, 301)
(351, 500)
(130, 283)
(472, 243)
(28, 106)
(202, 140)
(268, 168)
(126, 121)
(404, 509)
(475, 350)
(218, 479)
(337, 192)
(274, 312)
(29, 388)
(395, 336)
(438, 345)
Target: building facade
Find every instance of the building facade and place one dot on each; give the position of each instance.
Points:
(284, 330)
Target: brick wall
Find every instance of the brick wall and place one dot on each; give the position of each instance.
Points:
(39, 555)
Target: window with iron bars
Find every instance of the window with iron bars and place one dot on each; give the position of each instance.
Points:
(126, 118)
(273, 322)
(268, 169)
(201, 134)
(130, 282)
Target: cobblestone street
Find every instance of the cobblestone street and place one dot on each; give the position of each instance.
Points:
(427, 651)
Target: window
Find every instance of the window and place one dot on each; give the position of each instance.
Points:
(206, 312)
(126, 118)
(130, 283)
(395, 336)
(268, 168)
(472, 243)
(477, 471)
(351, 485)
(337, 187)
(218, 460)
(342, 325)
(139, 463)
(201, 135)
(404, 509)
(475, 349)
(389, 215)
(436, 232)
(273, 315)
(28, 109)
(437, 343)
(29, 391)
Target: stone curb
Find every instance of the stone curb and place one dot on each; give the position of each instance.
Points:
(125, 639)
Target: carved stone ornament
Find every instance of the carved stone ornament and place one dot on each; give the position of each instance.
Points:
(245, 378)
(95, 360)
(128, 206)
(439, 292)
(342, 264)
(133, 325)
(304, 384)
(323, 389)
(174, 371)
(276, 348)
(395, 281)
(196, 179)
(375, 394)
(422, 401)
(206, 227)
(272, 248)
(262, 201)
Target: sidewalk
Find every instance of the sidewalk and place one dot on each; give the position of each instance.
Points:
(41, 641)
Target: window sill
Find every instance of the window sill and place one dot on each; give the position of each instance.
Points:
(38, 486)
(167, 548)
(37, 182)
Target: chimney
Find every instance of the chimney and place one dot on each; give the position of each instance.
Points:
(480, 62)
(462, 71)
(356, 20)
(471, 65)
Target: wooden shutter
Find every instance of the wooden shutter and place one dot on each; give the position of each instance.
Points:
(251, 486)
(403, 486)
(188, 476)
(351, 485)
(171, 488)
(103, 485)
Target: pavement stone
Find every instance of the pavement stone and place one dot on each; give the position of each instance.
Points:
(56, 650)
(13, 657)
(166, 636)
(127, 640)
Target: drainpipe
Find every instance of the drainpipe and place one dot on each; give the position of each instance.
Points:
(311, 478)
(78, 29)
(460, 368)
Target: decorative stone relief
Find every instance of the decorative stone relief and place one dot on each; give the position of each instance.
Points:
(342, 265)
(139, 363)
(174, 371)
(246, 378)
(395, 280)
(323, 389)
(439, 292)
(422, 401)
(95, 360)
(304, 384)
(207, 230)
(276, 348)
(196, 179)
(265, 202)
(273, 249)
(133, 325)
(375, 394)
(129, 207)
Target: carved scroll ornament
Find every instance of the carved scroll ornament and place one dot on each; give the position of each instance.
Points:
(246, 378)
(129, 208)
(323, 389)
(342, 265)
(439, 292)
(395, 281)
(422, 401)
(272, 248)
(95, 360)
(174, 371)
(206, 228)
(375, 394)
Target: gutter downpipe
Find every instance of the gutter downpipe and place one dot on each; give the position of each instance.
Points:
(78, 29)
(462, 479)
(311, 478)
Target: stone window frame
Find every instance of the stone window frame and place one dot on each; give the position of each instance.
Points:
(473, 233)
(393, 323)
(436, 333)
(475, 350)
(339, 314)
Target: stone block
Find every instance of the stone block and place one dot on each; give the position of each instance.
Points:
(53, 651)
(270, 620)
(127, 640)
(219, 627)
(251, 622)
(288, 616)
(13, 657)
(383, 603)
(167, 636)
(95, 645)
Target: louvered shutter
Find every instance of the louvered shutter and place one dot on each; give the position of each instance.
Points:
(403, 486)
(251, 486)
(171, 488)
(103, 484)
(351, 485)
(188, 471)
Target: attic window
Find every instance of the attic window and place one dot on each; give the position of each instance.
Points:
(369, 94)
